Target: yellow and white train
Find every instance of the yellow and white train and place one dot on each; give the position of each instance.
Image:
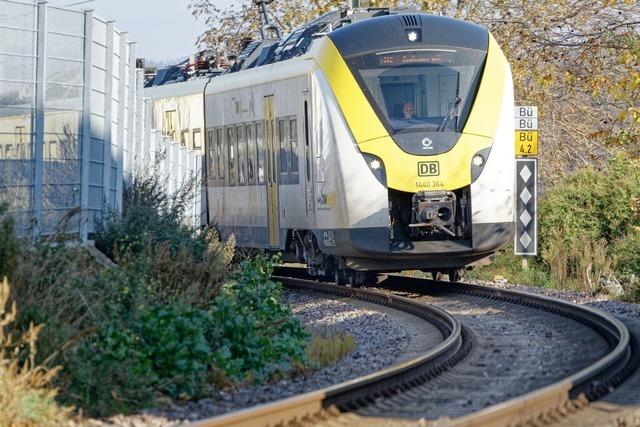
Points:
(366, 141)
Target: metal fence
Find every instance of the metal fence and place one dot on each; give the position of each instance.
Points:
(73, 124)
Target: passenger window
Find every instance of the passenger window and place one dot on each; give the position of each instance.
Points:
(219, 154)
(282, 139)
(252, 154)
(293, 139)
(212, 161)
(197, 142)
(261, 153)
(231, 147)
(184, 138)
(168, 124)
(242, 156)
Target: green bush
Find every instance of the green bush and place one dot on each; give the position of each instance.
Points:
(592, 204)
(625, 252)
(257, 335)
(9, 244)
(585, 221)
(149, 217)
(183, 263)
(128, 364)
(156, 323)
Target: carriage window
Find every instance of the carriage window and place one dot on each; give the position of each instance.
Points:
(282, 138)
(242, 156)
(219, 154)
(197, 142)
(252, 154)
(212, 160)
(293, 140)
(184, 138)
(168, 125)
(261, 154)
(231, 147)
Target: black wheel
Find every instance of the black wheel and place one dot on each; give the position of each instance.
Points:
(351, 280)
(371, 278)
(438, 276)
(455, 274)
(338, 277)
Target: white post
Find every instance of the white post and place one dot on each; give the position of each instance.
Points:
(108, 121)
(146, 141)
(131, 124)
(85, 142)
(121, 118)
(38, 143)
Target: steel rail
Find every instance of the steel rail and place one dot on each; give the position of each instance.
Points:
(592, 382)
(366, 389)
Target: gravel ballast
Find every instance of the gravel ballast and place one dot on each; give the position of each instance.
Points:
(621, 407)
(383, 337)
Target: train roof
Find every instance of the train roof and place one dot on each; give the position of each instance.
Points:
(184, 88)
(367, 35)
(257, 53)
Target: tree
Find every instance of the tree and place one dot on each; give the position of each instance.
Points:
(578, 60)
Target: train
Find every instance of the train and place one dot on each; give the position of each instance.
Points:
(366, 141)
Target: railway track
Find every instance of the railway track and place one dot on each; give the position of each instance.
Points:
(496, 365)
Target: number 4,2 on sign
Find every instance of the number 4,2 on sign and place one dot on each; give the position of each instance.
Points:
(526, 143)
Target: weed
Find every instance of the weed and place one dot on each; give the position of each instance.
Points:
(26, 396)
(506, 264)
(9, 244)
(327, 347)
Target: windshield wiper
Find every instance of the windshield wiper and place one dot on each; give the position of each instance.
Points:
(449, 115)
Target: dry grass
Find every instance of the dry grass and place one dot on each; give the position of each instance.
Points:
(26, 397)
(577, 265)
(327, 348)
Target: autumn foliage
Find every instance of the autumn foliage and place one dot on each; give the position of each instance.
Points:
(578, 60)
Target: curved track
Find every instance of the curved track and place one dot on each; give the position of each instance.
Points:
(497, 366)
(358, 392)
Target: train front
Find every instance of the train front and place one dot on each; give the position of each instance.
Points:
(429, 103)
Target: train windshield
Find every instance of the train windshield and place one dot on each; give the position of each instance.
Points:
(430, 89)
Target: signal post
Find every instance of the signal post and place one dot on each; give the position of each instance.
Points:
(526, 145)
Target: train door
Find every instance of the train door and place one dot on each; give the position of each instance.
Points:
(308, 157)
(273, 210)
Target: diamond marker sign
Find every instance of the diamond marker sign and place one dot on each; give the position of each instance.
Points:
(526, 238)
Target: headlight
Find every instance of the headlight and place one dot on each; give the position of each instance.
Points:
(478, 162)
(376, 166)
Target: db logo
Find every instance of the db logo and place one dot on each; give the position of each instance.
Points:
(428, 169)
